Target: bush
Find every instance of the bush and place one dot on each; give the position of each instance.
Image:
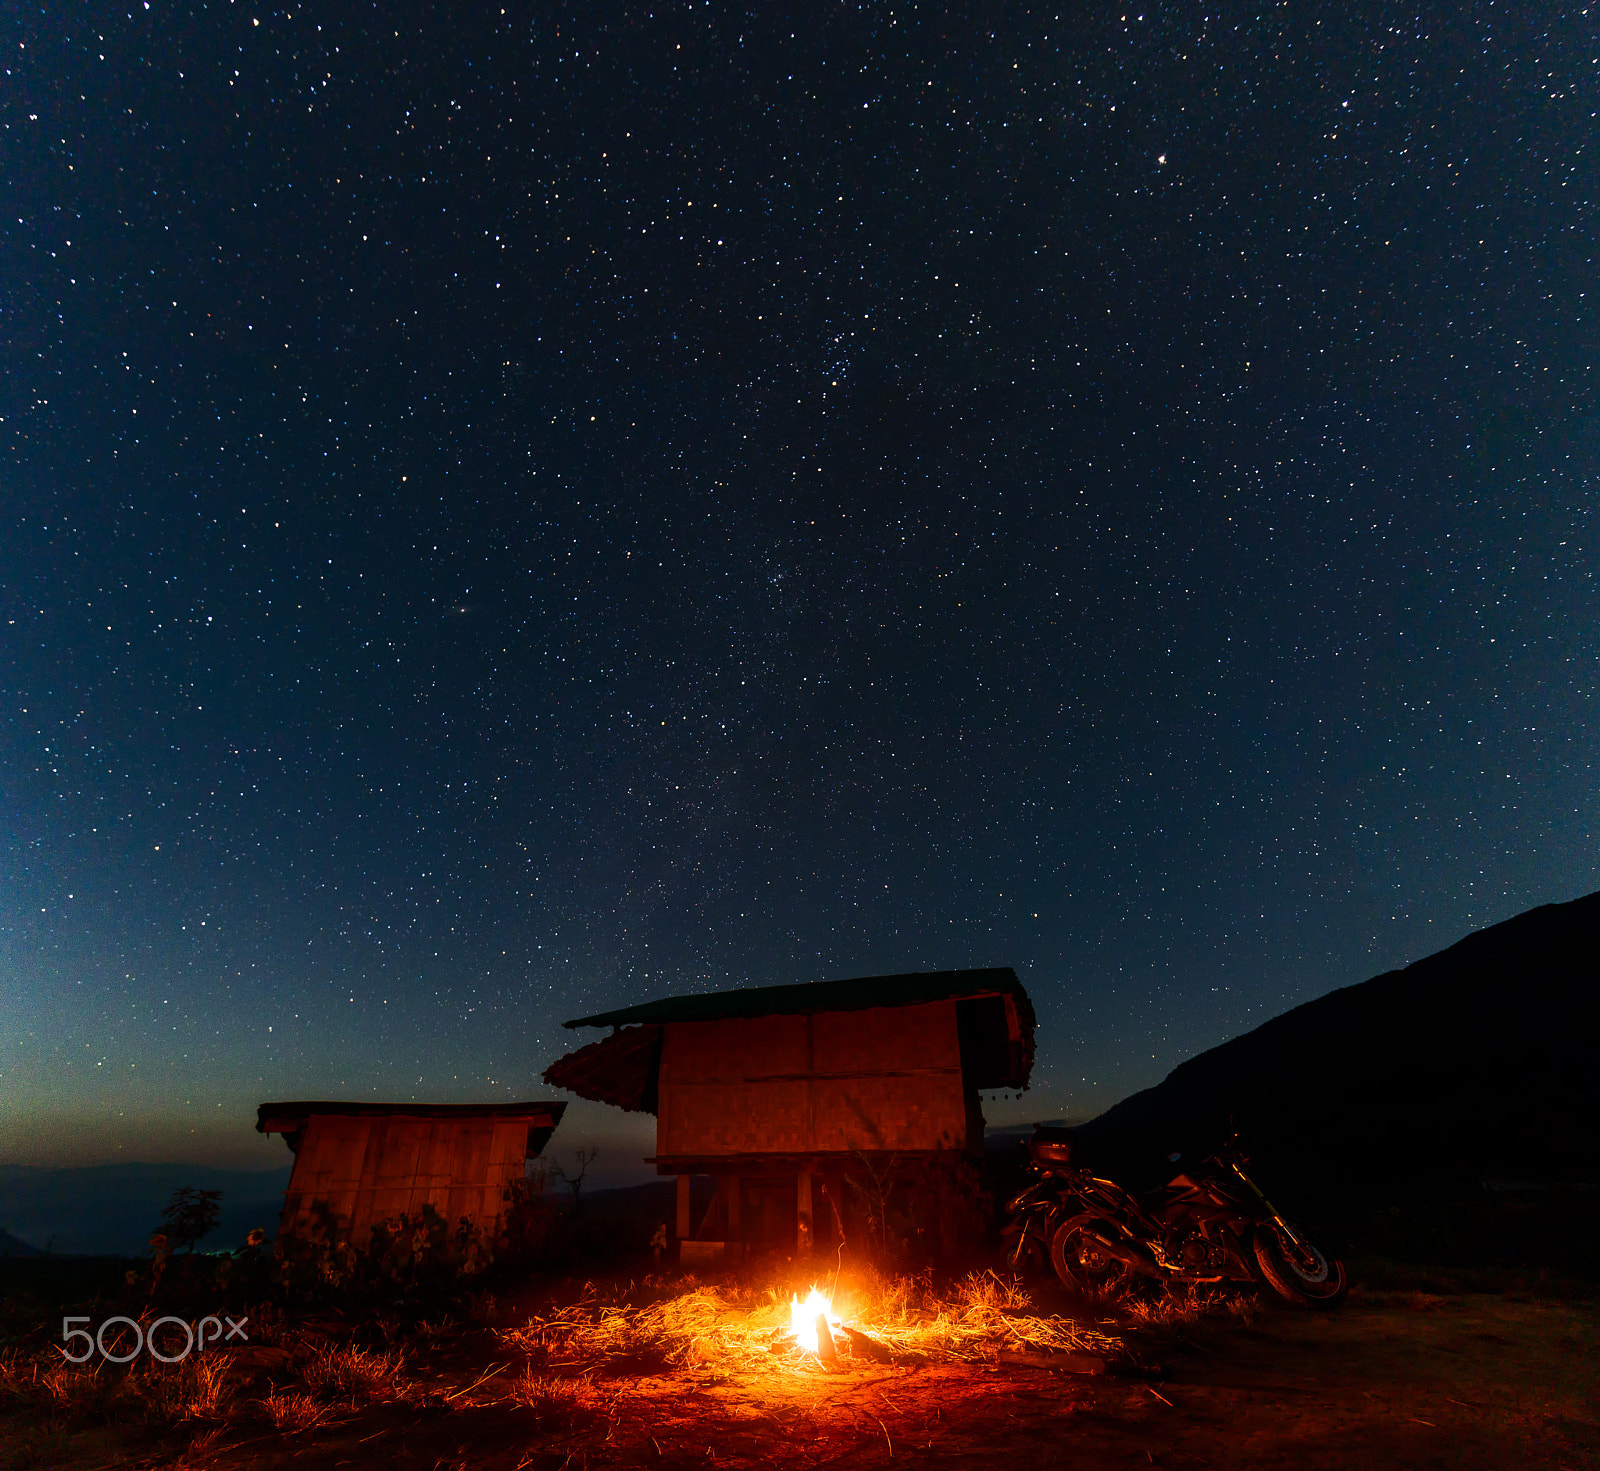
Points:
(417, 1253)
(533, 1229)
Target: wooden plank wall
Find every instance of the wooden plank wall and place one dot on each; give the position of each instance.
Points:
(370, 1169)
(888, 1078)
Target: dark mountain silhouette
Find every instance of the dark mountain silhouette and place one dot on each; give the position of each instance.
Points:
(1474, 1063)
(11, 1246)
(112, 1209)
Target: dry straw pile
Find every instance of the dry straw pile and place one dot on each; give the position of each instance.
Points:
(734, 1329)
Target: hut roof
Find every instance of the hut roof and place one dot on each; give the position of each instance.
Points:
(622, 1069)
(857, 994)
(288, 1118)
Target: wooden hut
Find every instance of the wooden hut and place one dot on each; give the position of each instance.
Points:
(778, 1090)
(371, 1162)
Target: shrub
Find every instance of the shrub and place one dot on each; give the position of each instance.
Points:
(417, 1253)
(532, 1227)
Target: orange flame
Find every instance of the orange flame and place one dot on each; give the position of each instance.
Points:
(803, 1318)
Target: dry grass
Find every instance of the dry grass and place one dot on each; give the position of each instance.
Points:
(158, 1395)
(353, 1376)
(1179, 1307)
(290, 1412)
(47, 1382)
(331, 1382)
(200, 1388)
(976, 1320)
(559, 1404)
(738, 1330)
(564, 1376)
(44, 1398)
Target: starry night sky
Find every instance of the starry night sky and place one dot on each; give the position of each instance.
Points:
(513, 512)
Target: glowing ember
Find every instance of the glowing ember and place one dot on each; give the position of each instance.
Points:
(803, 1319)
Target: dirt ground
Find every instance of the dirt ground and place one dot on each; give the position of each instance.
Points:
(1397, 1379)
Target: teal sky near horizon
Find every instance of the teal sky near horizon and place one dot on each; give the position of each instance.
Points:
(502, 523)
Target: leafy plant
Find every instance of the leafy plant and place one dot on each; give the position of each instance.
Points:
(317, 1258)
(415, 1252)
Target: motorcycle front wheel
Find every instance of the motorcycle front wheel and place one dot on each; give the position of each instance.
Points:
(1027, 1247)
(1310, 1279)
(1084, 1264)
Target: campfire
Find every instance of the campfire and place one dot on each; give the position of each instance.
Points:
(812, 1323)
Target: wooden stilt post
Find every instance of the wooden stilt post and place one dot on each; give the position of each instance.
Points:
(803, 1220)
(683, 1207)
(735, 1191)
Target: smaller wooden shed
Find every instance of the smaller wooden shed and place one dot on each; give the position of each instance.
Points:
(371, 1162)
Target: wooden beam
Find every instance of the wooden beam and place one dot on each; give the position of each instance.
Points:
(683, 1207)
(803, 1220)
(906, 1163)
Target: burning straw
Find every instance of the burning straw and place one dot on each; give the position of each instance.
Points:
(897, 1320)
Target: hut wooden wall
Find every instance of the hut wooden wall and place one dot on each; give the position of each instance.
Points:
(836, 1082)
(371, 1168)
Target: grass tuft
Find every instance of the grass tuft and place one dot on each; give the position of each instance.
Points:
(200, 1388)
(353, 1376)
(290, 1413)
(557, 1403)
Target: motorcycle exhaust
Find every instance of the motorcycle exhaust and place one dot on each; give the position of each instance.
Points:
(1135, 1258)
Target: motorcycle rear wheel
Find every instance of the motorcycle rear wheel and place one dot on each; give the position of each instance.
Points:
(1084, 1265)
(1319, 1283)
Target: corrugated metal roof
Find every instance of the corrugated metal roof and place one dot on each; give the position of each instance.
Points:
(856, 994)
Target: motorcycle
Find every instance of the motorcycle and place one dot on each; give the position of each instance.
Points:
(1209, 1227)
